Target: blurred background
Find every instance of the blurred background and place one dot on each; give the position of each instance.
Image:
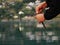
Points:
(18, 26)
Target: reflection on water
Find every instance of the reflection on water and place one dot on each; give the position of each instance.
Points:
(38, 37)
(29, 33)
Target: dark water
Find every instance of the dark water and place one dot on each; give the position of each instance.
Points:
(10, 33)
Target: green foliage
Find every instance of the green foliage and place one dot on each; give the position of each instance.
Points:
(16, 6)
(27, 12)
(4, 13)
(27, 1)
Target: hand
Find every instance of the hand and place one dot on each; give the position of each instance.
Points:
(40, 18)
(40, 7)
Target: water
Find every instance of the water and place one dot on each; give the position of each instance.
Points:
(30, 35)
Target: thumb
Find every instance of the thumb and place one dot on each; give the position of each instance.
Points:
(40, 18)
